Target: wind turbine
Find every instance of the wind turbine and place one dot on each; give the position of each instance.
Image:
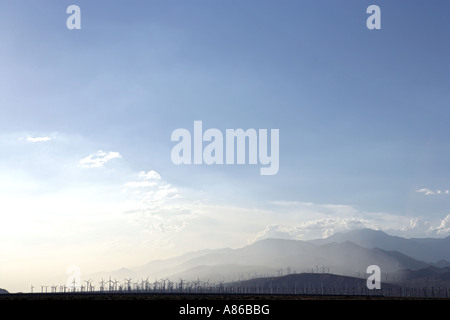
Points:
(220, 286)
(280, 271)
(109, 282)
(169, 285)
(74, 285)
(147, 284)
(197, 284)
(164, 284)
(181, 284)
(128, 281)
(88, 284)
(136, 285)
(102, 284)
(143, 285)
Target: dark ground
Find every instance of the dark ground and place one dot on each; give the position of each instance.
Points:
(194, 297)
(174, 306)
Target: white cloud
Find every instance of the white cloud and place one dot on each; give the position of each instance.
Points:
(36, 139)
(159, 199)
(153, 205)
(150, 175)
(165, 193)
(146, 180)
(97, 160)
(444, 227)
(428, 192)
(274, 231)
(419, 228)
(314, 229)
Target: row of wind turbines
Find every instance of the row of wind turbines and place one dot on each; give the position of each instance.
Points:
(113, 285)
(159, 286)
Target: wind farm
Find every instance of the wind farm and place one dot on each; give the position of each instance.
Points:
(279, 268)
(302, 286)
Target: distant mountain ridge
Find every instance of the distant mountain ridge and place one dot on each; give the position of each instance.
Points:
(431, 250)
(270, 257)
(310, 283)
(425, 276)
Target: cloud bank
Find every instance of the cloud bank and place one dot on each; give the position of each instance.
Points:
(342, 218)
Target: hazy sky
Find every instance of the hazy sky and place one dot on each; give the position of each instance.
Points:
(86, 116)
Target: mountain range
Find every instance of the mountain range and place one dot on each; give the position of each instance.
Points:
(431, 250)
(346, 254)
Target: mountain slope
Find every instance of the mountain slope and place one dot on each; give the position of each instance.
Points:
(318, 283)
(277, 257)
(344, 254)
(426, 249)
(424, 277)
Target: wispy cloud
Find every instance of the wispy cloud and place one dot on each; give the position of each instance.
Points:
(154, 203)
(97, 160)
(428, 192)
(150, 175)
(145, 180)
(35, 139)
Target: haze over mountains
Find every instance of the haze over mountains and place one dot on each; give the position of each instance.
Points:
(345, 254)
(431, 250)
(414, 261)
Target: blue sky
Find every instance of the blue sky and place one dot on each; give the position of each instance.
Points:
(86, 119)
